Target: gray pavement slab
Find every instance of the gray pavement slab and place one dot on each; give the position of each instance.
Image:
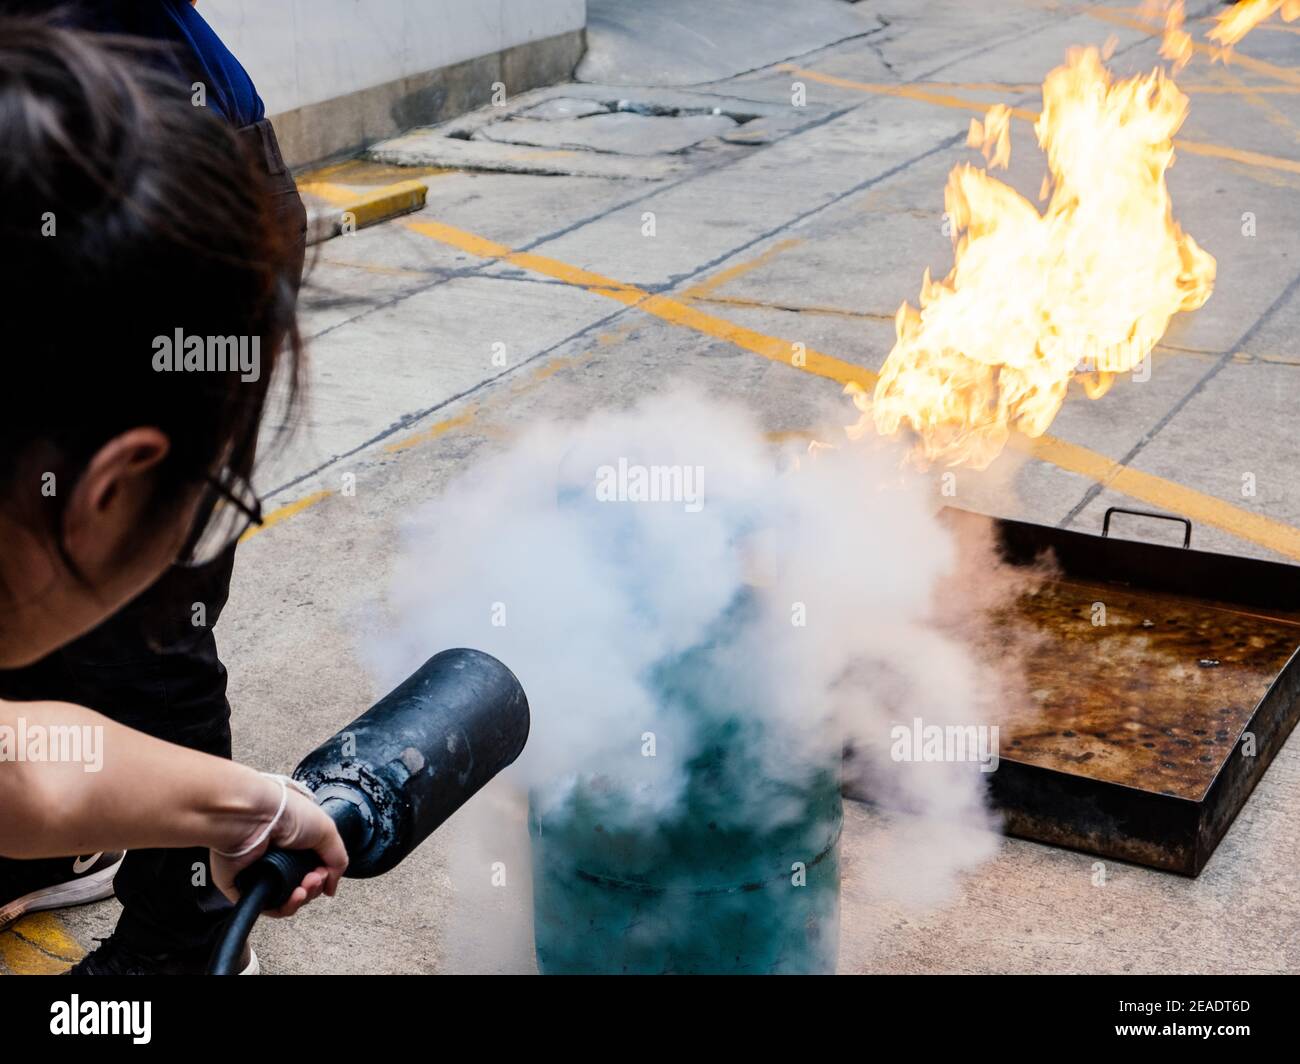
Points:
(1238, 438)
(621, 133)
(470, 330)
(1253, 271)
(730, 207)
(563, 107)
(680, 42)
(512, 209)
(554, 101)
(1275, 338)
(427, 148)
(952, 37)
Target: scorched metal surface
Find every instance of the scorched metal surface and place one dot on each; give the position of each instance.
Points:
(1153, 687)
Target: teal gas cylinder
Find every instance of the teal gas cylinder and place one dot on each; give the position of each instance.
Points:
(739, 876)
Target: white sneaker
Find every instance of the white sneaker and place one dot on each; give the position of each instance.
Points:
(55, 883)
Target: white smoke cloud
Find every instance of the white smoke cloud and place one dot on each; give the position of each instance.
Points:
(838, 556)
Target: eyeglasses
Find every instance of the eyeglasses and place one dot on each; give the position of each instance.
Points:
(230, 508)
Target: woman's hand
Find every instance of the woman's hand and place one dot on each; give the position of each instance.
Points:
(303, 825)
(154, 795)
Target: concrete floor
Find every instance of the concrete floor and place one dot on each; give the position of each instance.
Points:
(813, 229)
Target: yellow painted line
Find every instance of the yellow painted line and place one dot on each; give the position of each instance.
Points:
(1240, 89)
(326, 173)
(979, 86)
(615, 336)
(440, 428)
(1164, 494)
(370, 205)
(1159, 492)
(906, 92)
(665, 308)
(790, 436)
(1118, 17)
(39, 945)
(1192, 147)
(1011, 89)
(1273, 114)
(1201, 508)
(285, 512)
(365, 173)
(20, 957)
(724, 277)
(1238, 155)
(538, 376)
(1272, 27)
(554, 366)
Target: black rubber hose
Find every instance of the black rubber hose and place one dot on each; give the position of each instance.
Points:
(271, 880)
(229, 952)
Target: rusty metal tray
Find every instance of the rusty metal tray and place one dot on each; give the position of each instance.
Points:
(1141, 738)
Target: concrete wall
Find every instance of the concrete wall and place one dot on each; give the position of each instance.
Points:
(338, 74)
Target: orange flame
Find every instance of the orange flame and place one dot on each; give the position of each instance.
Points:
(1177, 45)
(1241, 18)
(1094, 279)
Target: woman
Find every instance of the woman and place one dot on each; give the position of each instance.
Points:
(149, 666)
(133, 229)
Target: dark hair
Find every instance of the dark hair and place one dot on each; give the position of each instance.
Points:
(126, 214)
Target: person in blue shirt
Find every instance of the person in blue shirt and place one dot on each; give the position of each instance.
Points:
(229, 88)
(192, 50)
(149, 667)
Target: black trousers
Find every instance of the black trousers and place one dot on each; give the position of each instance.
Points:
(153, 669)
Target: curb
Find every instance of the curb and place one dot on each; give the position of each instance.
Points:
(334, 209)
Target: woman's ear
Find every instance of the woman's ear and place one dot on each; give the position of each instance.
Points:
(108, 506)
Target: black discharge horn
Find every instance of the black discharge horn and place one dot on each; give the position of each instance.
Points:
(393, 776)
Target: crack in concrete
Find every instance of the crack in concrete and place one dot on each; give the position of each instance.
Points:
(877, 47)
(1196, 389)
(515, 128)
(16, 930)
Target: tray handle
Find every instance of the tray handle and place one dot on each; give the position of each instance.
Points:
(1187, 525)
